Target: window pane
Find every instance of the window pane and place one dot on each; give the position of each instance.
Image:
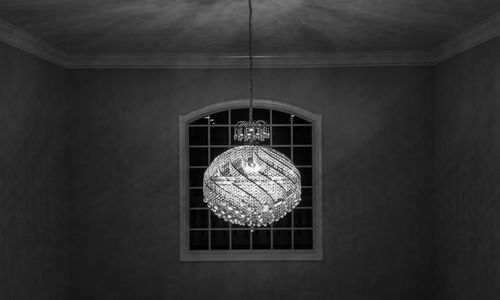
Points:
(281, 135)
(302, 217)
(196, 177)
(198, 156)
(261, 114)
(280, 117)
(306, 175)
(198, 240)
(198, 135)
(302, 135)
(282, 239)
(216, 222)
(239, 115)
(196, 198)
(285, 222)
(285, 150)
(240, 239)
(219, 136)
(198, 218)
(303, 239)
(261, 239)
(306, 197)
(302, 155)
(216, 151)
(219, 239)
(220, 117)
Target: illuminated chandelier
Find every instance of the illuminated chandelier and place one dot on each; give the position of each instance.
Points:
(251, 185)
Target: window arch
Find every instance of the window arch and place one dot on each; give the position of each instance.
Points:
(207, 132)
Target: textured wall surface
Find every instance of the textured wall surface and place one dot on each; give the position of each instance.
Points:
(378, 239)
(33, 178)
(467, 93)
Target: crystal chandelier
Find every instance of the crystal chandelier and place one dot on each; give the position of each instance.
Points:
(251, 185)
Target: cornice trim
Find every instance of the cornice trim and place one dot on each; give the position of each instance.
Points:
(480, 33)
(275, 60)
(23, 40)
(475, 35)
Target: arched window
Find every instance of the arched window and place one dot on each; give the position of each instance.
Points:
(206, 133)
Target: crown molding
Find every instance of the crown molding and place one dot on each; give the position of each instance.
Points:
(275, 60)
(475, 35)
(480, 33)
(23, 40)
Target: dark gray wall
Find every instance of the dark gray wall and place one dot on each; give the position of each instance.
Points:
(467, 148)
(378, 238)
(33, 178)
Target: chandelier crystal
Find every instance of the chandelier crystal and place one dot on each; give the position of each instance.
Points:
(251, 185)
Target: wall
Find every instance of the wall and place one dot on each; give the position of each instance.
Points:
(467, 150)
(33, 178)
(378, 209)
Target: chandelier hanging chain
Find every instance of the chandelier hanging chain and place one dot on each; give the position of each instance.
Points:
(253, 131)
(250, 57)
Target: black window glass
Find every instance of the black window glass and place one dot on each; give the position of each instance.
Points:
(303, 239)
(240, 239)
(219, 136)
(285, 222)
(302, 135)
(198, 240)
(196, 177)
(302, 218)
(216, 222)
(198, 156)
(198, 218)
(306, 197)
(281, 117)
(196, 198)
(282, 239)
(261, 239)
(306, 175)
(281, 135)
(219, 239)
(302, 155)
(239, 115)
(220, 118)
(198, 135)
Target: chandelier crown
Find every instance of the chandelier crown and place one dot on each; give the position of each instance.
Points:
(251, 131)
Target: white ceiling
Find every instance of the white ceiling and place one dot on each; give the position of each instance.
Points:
(215, 27)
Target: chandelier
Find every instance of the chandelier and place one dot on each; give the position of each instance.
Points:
(251, 185)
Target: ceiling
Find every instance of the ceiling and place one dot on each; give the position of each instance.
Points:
(215, 27)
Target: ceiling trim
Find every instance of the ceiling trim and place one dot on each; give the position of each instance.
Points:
(275, 60)
(23, 40)
(479, 33)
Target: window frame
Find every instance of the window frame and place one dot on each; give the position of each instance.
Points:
(314, 254)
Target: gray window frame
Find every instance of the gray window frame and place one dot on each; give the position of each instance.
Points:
(315, 254)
